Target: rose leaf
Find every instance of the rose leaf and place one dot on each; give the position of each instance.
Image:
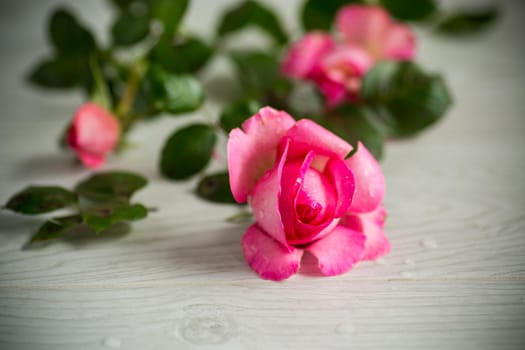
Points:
(357, 124)
(215, 188)
(129, 28)
(68, 36)
(174, 94)
(169, 13)
(56, 227)
(408, 10)
(468, 21)
(319, 14)
(103, 216)
(405, 98)
(251, 13)
(184, 55)
(110, 186)
(235, 113)
(187, 151)
(41, 199)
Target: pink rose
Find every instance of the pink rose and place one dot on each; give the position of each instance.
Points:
(305, 196)
(371, 28)
(94, 132)
(336, 65)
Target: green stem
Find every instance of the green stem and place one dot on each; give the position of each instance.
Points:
(130, 93)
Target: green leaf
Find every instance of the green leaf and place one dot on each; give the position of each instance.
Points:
(258, 72)
(215, 188)
(55, 228)
(169, 13)
(410, 10)
(58, 73)
(123, 5)
(105, 215)
(129, 29)
(356, 124)
(68, 36)
(110, 186)
(187, 151)
(320, 14)
(468, 21)
(252, 13)
(41, 199)
(234, 114)
(174, 93)
(406, 99)
(186, 55)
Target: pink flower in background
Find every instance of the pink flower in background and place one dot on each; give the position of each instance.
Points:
(366, 35)
(372, 28)
(94, 132)
(305, 196)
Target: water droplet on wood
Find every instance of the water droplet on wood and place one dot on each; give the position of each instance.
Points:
(345, 328)
(112, 342)
(409, 262)
(429, 243)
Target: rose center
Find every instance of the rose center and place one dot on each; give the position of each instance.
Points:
(308, 212)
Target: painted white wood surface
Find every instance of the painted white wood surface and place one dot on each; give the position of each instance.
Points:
(456, 198)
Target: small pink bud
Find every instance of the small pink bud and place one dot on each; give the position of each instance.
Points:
(94, 132)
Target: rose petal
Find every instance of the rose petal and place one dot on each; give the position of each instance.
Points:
(400, 43)
(91, 160)
(307, 135)
(338, 251)
(369, 180)
(346, 61)
(306, 191)
(264, 201)
(334, 92)
(291, 181)
(364, 25)
(371, 225)
(304, 56)
(252, 151)
(267, 257)
(311, 233)
(342, 70)
(343, 181)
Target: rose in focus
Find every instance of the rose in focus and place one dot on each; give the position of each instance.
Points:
(306, 195)
(93, 134)
(365, 35)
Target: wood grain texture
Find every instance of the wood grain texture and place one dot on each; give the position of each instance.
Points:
(455, 278)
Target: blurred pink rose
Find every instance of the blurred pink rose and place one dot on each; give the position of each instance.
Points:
(305, 196)
(336, 65)
(372, 28)
(94, 132)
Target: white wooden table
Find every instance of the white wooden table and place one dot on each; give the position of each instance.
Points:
(455, 278)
